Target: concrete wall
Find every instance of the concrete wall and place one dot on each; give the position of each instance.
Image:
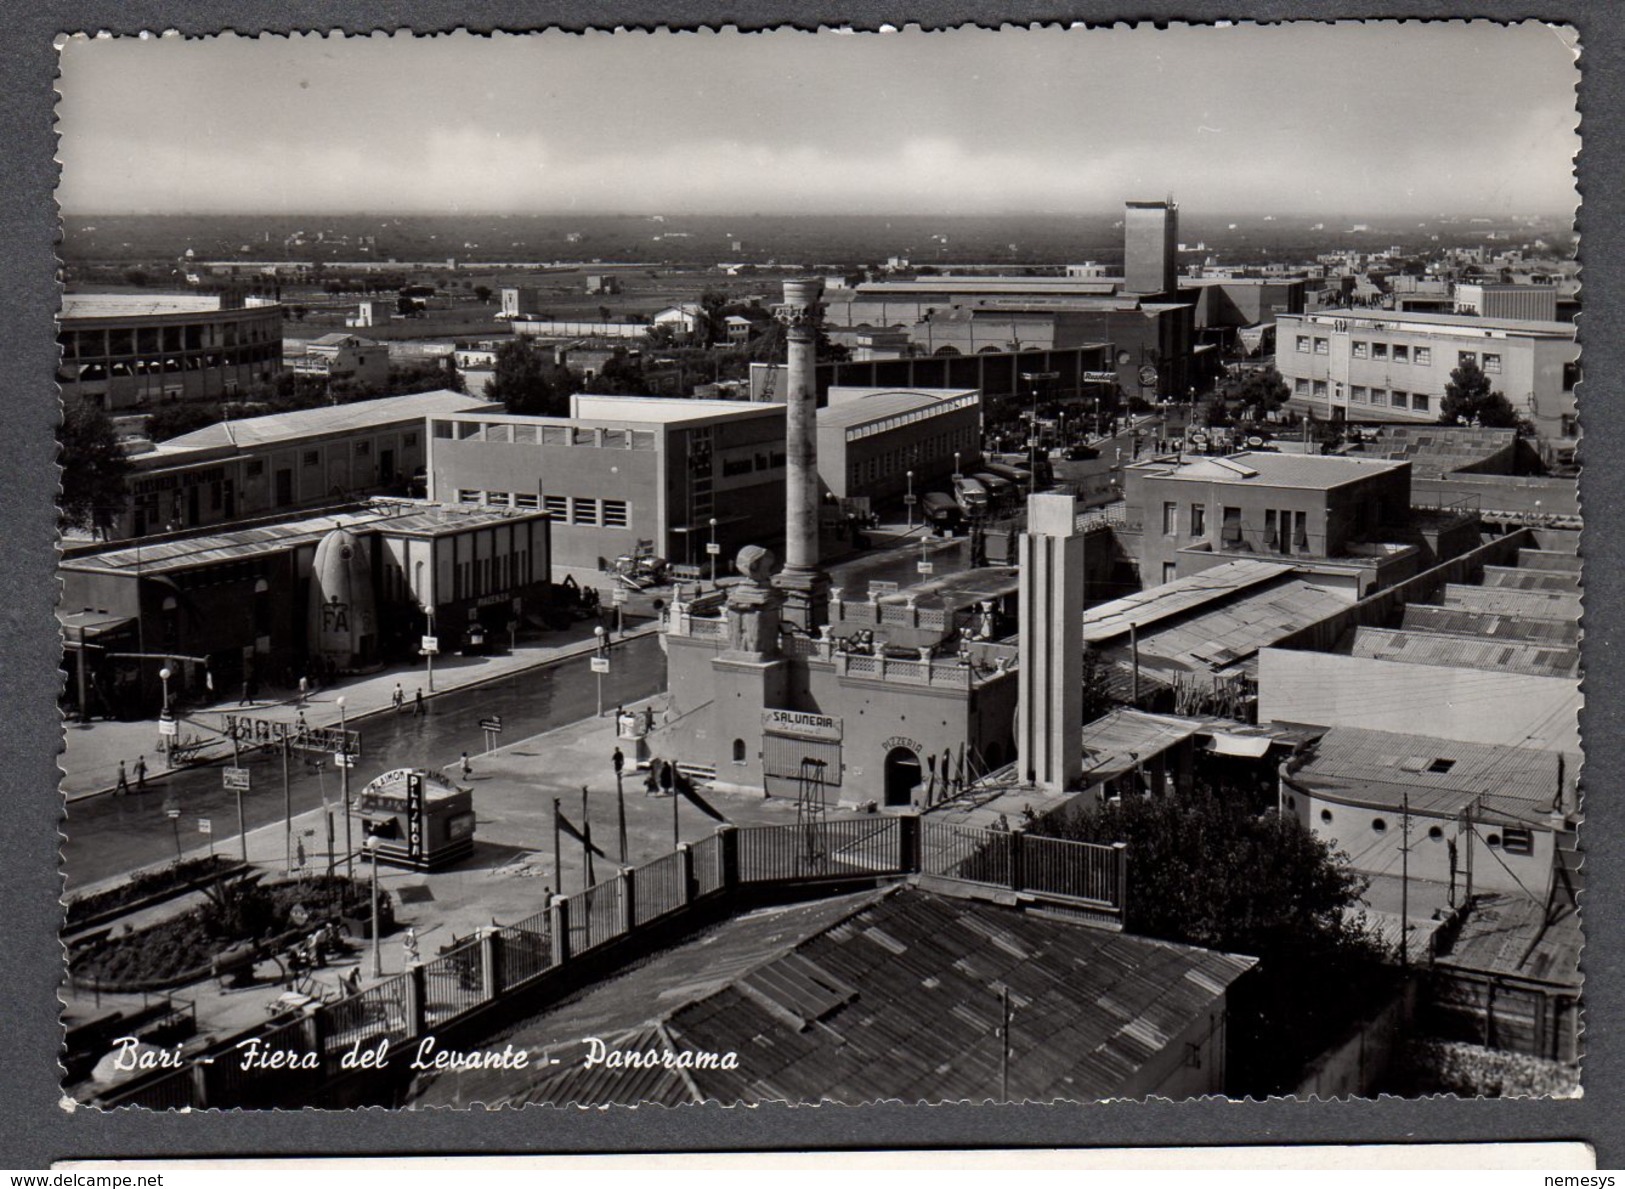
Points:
(1189, 1065)
(1467, 705)
(1502, 493)
(1355, 1068)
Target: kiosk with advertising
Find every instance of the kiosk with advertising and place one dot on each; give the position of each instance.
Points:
(421, 819)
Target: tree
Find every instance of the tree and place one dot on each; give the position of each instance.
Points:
(482, 293)
(526, 380)
(1097, 685)
(94, 469)
(135, 277)
(1205, 870)
(1469, 397)
(172, 419)
(1259, 392)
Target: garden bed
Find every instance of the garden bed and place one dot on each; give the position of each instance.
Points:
(146, 888)
(239, 914)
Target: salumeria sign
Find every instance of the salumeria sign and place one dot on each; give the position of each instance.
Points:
(801, 725)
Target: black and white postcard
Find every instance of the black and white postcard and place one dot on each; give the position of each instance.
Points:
(1020, 565)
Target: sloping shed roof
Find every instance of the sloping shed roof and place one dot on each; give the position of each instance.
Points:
(901, 999)
(1461, 652)
(1489, 625)
(1178, 597)
(303, 423)
(1440, 777)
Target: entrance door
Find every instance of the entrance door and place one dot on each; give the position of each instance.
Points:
(193, 506)
(386, 466)
(284, 488)
(902, 774)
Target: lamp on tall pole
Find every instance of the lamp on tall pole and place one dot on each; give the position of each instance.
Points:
(908, 500)
(598, 634)
(344, 786)
(163, 726)
(711, 549)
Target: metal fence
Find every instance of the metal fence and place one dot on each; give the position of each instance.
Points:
(964, 852)
(707, 865)
(454, 982)
(1079, 870)
(525, 950)
(374, 1014)
(855, 847)
(658, 888)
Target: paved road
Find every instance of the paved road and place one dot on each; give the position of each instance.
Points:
(110, 835)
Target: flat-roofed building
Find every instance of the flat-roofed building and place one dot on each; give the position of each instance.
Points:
(1335, 516)
(624, 473)
(136, 350)
(344, 359)
(231, 605)
(281, 462)
(870, 439)
(1366, 366)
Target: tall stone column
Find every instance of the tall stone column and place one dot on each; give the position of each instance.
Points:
(805, 585)
(1049, 713)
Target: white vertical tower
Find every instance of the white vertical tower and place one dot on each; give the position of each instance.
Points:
(805, 586)
(1049, 713)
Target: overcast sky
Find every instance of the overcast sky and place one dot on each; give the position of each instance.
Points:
(1375, 117)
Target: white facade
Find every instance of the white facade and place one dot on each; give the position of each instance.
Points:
(1358, 365)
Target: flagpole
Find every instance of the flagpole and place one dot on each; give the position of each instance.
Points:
(558, 869)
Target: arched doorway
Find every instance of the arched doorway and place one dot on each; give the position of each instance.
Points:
(902, 774)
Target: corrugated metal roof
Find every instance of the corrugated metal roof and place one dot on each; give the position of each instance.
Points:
(141, 305)
(1427, 648)
(1439, 776)
(926, 973)
(1226, 638)
(1519, 937)
(1507, 600)
(880, 405)
(164, 556)
(1115, 743)
(1178, 597)
(1463, 621)
(1528, 578)
(362, 414)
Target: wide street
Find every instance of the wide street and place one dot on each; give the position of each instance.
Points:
(107, 835)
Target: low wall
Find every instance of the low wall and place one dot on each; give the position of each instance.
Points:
(1355, 1067)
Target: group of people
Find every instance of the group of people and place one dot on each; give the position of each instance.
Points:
(123, 785)
(398, 700)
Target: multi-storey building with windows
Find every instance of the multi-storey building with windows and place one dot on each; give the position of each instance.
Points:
(623, 473)
(1360, 365)
(135, 350)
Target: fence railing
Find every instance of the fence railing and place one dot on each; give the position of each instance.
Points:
(501, 961)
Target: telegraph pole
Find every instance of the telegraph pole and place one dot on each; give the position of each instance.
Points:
(1405, 882)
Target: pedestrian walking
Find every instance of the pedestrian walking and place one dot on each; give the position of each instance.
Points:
(245, 700)
(141, 774)
(619, 760)
(123, 785)
(468, 768)
(409, 944)
(417, 706)
(304, 690)
(398, 697)
(302, 725)
(299, 854)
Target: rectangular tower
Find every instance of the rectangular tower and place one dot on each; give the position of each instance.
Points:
(1151, 247)
(1049, 712)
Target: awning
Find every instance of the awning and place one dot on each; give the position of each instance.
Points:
(1252, 746)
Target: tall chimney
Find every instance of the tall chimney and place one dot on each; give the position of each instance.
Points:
(805, 586)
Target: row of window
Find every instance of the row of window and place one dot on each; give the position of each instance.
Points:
(565, 509)
(93, 344)
(478, 577)
(1514, 840)
(1490, 362)
(1419, 402)
(363, 449)
(906, 458)
(545, 435)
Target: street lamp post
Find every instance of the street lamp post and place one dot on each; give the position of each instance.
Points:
(711, 549)
(598, 633)
(163, 739)
(377, 952)
(956, 464)
(908, 500)
(344, 786)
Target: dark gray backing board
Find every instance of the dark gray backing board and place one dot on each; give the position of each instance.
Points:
(35, 1130)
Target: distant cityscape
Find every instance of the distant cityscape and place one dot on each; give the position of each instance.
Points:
(660, 659)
